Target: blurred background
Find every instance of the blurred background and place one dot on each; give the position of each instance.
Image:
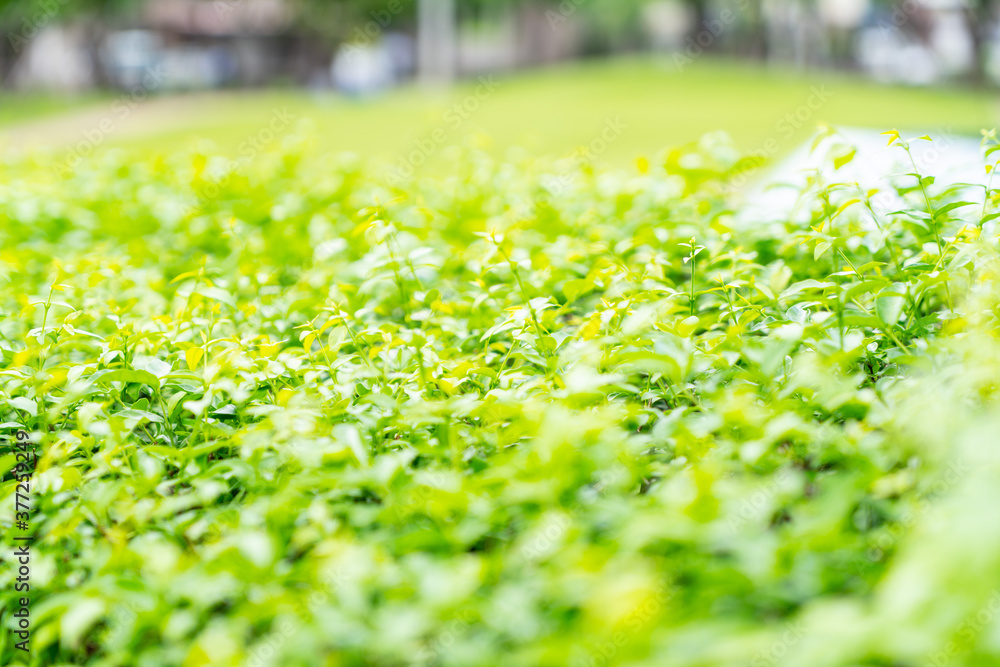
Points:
(404, 79)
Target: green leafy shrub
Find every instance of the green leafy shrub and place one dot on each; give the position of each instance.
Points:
(296, 413)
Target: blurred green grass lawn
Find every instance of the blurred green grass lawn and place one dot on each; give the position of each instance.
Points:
(553, 111)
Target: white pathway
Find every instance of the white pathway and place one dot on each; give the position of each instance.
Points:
(949, 158)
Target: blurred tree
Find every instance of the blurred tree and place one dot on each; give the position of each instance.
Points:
(364, 20)
(609, 24)
(981, 19)
(981, 16)
(436, 40)
(21, 20)
(699, 10)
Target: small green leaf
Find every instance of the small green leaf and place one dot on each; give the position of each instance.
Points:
(25, 404)
(573, 289)
(846, 158)
(125, 375)
(889, 307)
(78, 619)
(821, 249)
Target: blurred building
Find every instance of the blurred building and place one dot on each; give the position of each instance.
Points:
(200, 44)
(197, 44)
(189, 44)
(56, 58)
(918, 43)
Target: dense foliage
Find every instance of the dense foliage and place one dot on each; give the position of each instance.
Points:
(299, 412)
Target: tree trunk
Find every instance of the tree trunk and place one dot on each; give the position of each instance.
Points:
(95, 30)
(700, 13)
(436, 41)
(980, 21)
